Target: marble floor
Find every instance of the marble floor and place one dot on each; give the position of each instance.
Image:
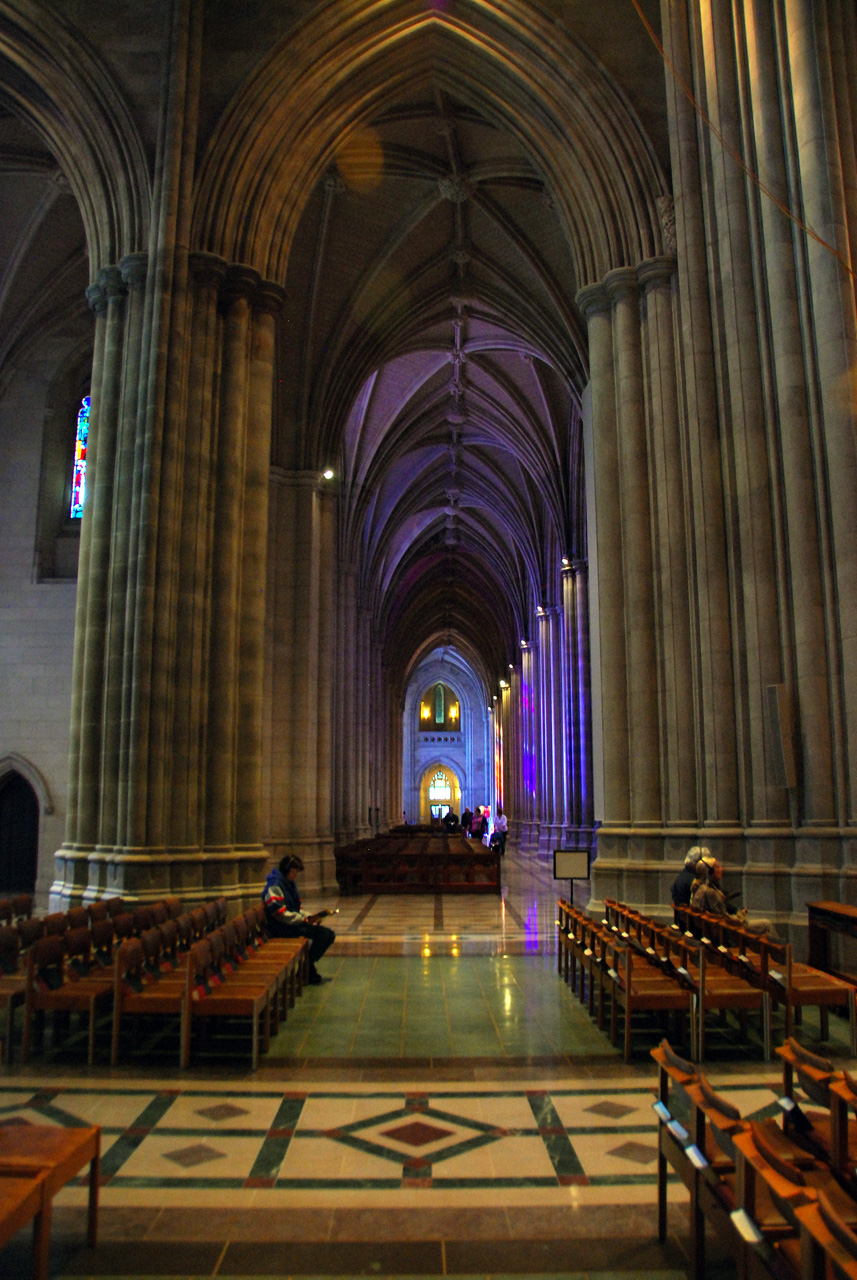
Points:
(442, 1106)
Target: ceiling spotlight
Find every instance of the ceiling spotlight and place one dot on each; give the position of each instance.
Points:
(327, 473)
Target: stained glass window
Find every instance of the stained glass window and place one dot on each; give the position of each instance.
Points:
(439, 715)
(439, 788)
(78, 475)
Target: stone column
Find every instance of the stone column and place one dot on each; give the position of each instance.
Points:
(711, 613)
(744, 426)
(114, 754)
(297, 659)
(553, 731)
(677, 737)
(605, 546)
(819, 49)
(101, 463)
(327, 635)
(266, 300)
(226, 565)
(810, 586)
(97, 299)
(644, 772)
(529, 747)
(586, 817)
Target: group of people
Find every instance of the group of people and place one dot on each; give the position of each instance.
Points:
(700, 885)
(481, 826)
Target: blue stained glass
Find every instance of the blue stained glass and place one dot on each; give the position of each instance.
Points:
(78, 475)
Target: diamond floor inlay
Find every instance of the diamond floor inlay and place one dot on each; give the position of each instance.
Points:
(417, 1133)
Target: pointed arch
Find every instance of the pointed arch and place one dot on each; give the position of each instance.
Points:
(51, 78)
(282, 129)
(14, 763)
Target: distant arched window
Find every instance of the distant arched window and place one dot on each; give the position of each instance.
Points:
(440, 710)
(78, 475)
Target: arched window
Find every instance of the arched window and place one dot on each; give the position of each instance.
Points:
(78, 475)
(440, 710)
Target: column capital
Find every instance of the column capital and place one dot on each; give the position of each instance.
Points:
(620, 283)
(207, 268)
(97, 298)
(134, 268)
(658, 270)
(269, 297)
(110, 279)
(241, 281)
(592, 299)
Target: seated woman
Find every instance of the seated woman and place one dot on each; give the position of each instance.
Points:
(707, 895)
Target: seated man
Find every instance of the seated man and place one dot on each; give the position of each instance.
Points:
(284, 916)
(681, 886)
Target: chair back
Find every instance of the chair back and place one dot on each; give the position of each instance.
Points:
(98, 911)
(169, 935)
(56, 923)
(115, 906)
(77, 918)
(123, 925)
(30, 930)
(10, 949)
(22, 904)
(79, 947)
(46, 963)
(7, 911)
(102, 941)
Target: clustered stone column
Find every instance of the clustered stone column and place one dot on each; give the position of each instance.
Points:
(723, 463)
(166, 790)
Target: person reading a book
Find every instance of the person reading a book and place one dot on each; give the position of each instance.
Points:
(284, 916)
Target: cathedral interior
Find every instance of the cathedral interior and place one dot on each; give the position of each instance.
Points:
(412, 404)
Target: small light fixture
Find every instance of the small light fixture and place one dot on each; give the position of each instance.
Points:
(327, 473)
(424, 712)
(504, 684)
(565, 562)
(511, 666)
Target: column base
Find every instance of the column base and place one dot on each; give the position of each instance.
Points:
(147, 875)
(316, 853)
(775, 869)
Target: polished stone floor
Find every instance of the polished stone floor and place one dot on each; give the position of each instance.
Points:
(442, 1106)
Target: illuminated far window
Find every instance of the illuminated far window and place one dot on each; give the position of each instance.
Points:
(78, 475)
(439, 788)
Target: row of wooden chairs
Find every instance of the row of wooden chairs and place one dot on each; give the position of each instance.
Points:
(145, 954)
(769, 964)
(606, 971)
(235, 971)
(717, 980)
(772, 1195)
(19, 907)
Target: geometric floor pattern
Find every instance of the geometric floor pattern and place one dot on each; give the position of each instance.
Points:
(360, 1145)
(442, 1107)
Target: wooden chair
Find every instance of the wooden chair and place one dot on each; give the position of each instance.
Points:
(214, 997)
(13, 985)
(48, 989)
(58, 1154)
(29, 931)
(828, 1245)
(636, 987)
(116, 906)
(76, 918)
(22, 905)
(98, 912)
(55, 924)
(137, 990)
(715, 988)
(7, 912)
(23, 1200)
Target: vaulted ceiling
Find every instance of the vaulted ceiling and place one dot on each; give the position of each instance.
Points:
(433, 356)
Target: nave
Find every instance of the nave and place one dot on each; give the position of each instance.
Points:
(442, 1106)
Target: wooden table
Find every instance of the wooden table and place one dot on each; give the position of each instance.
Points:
(826, 918)
(24, 1200)
(28, 1150)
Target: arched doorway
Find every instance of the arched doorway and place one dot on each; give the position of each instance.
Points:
(440, 791)
(19, 834)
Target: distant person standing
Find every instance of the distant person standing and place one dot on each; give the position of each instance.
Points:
(501, 830)
(466, 819)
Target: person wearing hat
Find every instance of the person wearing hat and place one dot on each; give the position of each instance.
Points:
(683, 882)
(284, 917)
